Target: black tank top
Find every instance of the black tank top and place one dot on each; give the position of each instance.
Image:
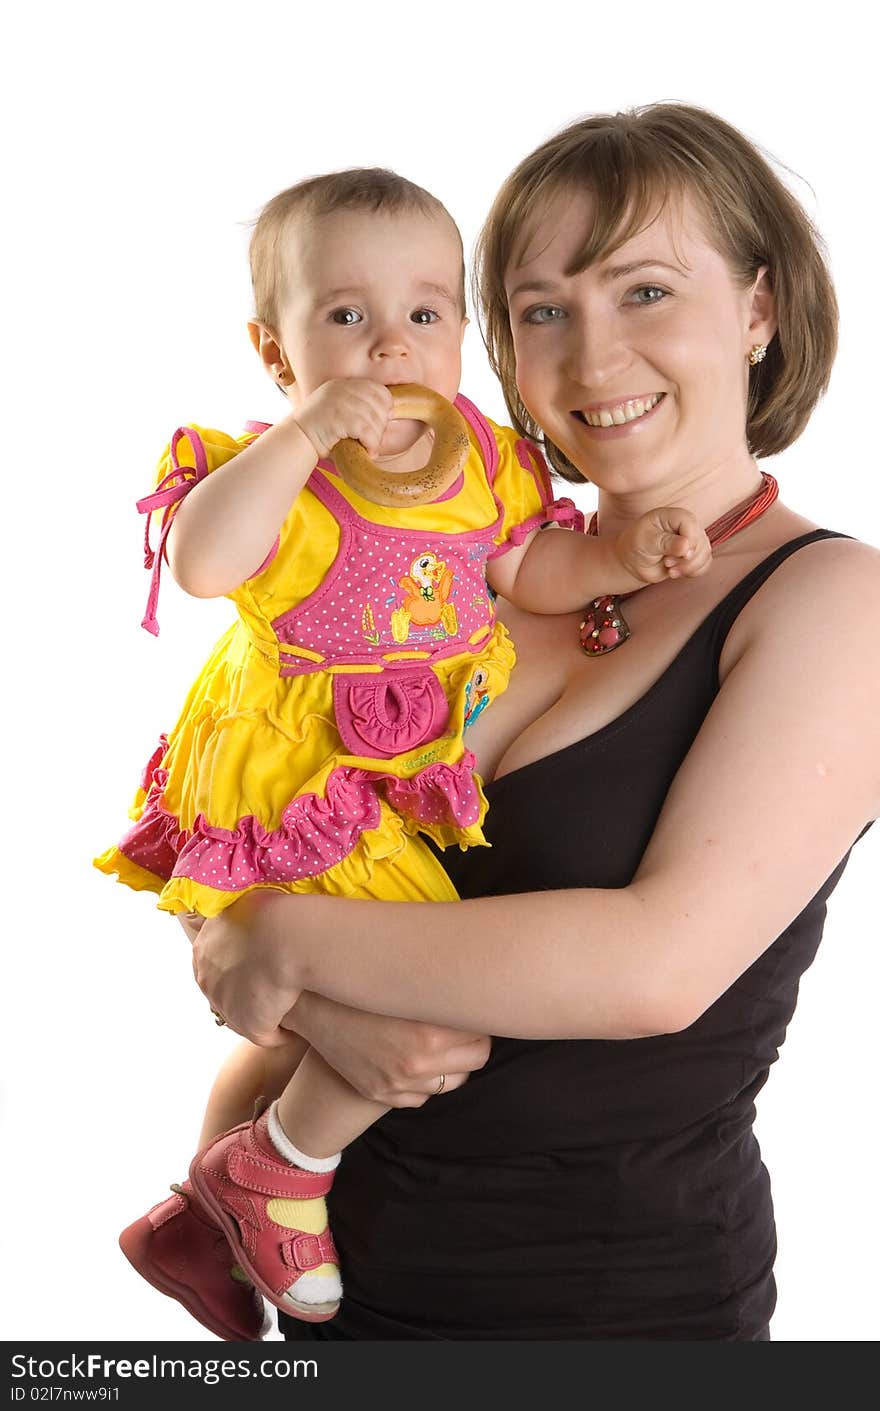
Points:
(584, 1189)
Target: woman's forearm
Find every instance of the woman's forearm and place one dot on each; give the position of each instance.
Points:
(226, 526)
(567, 964)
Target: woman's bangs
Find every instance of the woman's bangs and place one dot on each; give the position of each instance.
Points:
(626, 203)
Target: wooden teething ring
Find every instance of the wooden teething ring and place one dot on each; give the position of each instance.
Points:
(409, 487)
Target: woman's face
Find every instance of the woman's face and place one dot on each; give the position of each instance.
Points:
(637, 367)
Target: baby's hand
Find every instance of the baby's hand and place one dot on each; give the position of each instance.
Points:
(355, 407)
(665, 543)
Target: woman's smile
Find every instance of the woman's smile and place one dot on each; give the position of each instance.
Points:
(611, 419)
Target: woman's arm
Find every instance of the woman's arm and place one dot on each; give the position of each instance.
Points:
(392, 1061)
(782, 777)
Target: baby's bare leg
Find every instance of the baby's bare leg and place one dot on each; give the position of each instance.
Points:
(248, 1073)
(320, 1112)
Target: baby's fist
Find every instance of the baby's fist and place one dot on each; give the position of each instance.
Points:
(355, 407)
(666, 543)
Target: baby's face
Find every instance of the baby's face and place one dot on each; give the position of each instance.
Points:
(373, 294)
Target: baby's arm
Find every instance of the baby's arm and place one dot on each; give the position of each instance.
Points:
(227, 524)
(560, 571)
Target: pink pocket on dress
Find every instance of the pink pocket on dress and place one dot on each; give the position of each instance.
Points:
(387, 713)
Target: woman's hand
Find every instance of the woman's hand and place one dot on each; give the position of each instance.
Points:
(242, 961)
(393, 1061)
(244, 969)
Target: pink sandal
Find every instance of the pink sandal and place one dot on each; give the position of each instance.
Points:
(181, 1250)
(236, 1177)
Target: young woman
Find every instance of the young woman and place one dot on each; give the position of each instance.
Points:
(669, 811)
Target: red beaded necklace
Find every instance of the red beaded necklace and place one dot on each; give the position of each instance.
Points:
(604, 626)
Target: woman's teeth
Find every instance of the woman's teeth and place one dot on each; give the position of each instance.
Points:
(623, 412)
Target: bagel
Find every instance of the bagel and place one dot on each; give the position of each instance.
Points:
(409, 487)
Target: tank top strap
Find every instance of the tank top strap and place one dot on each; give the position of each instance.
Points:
(721, 620)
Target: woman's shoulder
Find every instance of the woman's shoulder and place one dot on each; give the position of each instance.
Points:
(794, 556)
(830, 562)
(821, 601)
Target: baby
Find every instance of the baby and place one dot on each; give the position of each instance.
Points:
(325, 735)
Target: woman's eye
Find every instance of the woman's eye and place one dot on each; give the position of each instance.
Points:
(649, 294)
(345, 316)
(424, 316)
(544, 313)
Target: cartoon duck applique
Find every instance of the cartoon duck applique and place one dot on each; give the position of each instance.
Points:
(426, 603)
(476, 696)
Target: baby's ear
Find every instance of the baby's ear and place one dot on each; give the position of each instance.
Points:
(270, 352)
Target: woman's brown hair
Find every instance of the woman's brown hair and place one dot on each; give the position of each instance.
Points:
(632, 163)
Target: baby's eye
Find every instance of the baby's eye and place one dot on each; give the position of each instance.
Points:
(346, 316)
(649, 294)
(544, 313)
(424, 316)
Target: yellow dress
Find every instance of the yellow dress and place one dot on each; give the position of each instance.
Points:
(326, 731)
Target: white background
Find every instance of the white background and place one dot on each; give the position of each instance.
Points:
(141, 140)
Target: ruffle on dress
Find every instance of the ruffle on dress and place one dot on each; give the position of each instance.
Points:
(317, 832)
(290, 803)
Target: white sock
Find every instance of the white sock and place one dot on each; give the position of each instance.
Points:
(285, 1147)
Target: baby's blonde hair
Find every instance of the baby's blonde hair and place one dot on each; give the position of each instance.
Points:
(359, 189)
